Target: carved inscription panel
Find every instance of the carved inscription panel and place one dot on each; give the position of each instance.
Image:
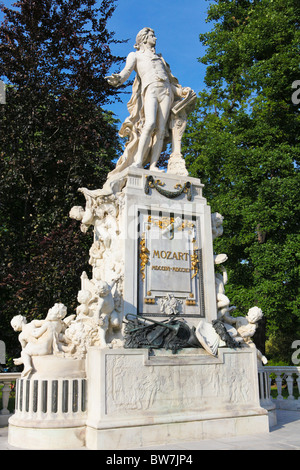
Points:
(170, 265)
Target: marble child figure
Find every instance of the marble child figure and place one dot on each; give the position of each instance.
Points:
(104, 313)
(84, 297)
(243, 328)
(40, 337)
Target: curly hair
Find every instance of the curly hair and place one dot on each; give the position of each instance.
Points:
(142, 37)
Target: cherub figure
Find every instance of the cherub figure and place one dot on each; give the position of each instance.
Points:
(217, 225)
(105, 313)
(40, 337)
(84, 297)
(221, 279)
(245, 327)
(86, 217)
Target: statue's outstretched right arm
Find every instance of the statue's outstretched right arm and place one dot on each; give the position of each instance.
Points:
(117, 79)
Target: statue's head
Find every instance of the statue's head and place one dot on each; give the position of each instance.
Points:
(77, 213)
(254, 314)
(84, 296)
(142, 38)
(57, 312)
(217, 219)
(17, 322)
(103, 288)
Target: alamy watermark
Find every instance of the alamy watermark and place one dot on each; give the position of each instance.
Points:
(2, 93)
(296, 355)
(296, 94)
(2, 352)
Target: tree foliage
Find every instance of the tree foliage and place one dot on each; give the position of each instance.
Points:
(243, 142)
(55, 138)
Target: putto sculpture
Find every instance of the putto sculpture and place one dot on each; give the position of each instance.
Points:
(40, 337)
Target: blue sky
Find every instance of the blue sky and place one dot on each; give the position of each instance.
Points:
(177, 25)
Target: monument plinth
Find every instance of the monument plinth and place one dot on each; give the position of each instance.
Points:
(137, 399)
(152, 353)
(167, 248)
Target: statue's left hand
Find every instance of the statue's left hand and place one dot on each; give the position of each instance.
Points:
(186, 91)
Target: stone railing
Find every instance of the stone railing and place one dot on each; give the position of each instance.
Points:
(282, 376)
(6, 379)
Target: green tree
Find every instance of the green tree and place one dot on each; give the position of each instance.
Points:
(54, 138)
(243, 142)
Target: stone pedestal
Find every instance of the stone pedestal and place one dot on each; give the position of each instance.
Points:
(167, 244)
(137, 399)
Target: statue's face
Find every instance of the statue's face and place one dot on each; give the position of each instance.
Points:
(17, 322)
(151, 39)
(103, 289)
(83, 296)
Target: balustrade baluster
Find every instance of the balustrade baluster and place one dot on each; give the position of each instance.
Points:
(270, 382)
(289, 381)
(278, 381)
(298, 385)
(5, 399)
(6, 380)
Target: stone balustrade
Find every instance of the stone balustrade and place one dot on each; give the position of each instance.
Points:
(286, 376)
(6, 379)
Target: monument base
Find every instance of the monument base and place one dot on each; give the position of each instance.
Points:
(131, 398)
(46, 438)
(50, 406)
(137, 399)
(156, 435)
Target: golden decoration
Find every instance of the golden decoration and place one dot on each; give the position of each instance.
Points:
(144, 256)
(158, 182)
(194, 264)
(165, 221)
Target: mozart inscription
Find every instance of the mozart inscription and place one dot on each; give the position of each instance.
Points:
(170, 263)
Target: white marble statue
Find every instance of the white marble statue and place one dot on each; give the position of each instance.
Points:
(217, 224)
(84, 298)
(105, 313)
(40, 337)
(243, 328)
(221, 279)
(158, 107)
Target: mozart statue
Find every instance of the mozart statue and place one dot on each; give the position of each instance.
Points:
(158, 104)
